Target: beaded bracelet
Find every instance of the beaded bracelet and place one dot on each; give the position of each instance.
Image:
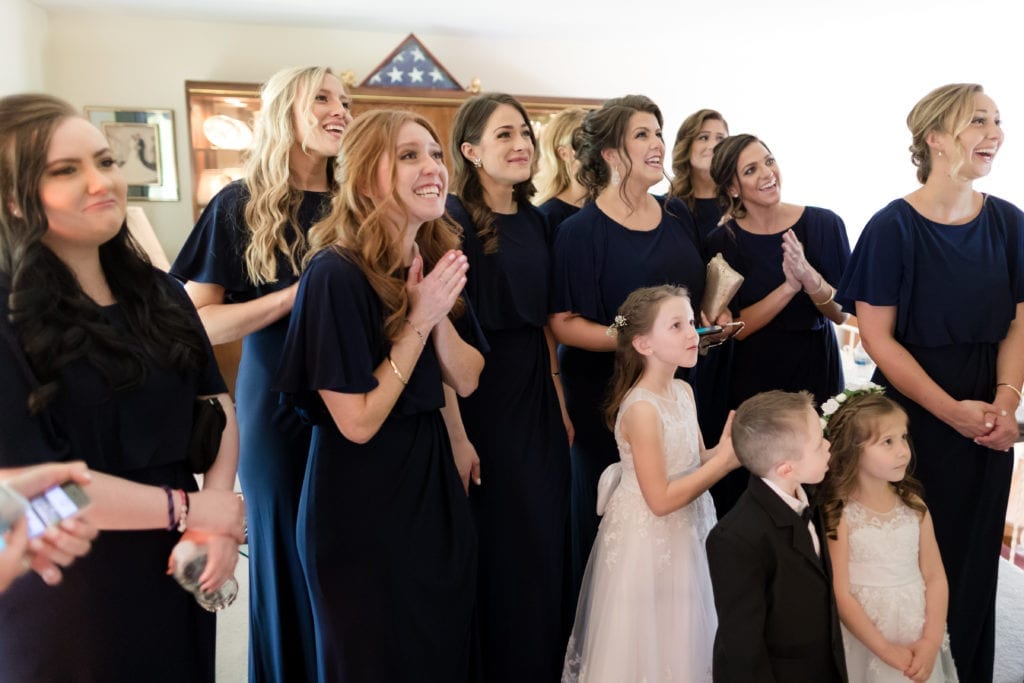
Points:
(183, 517)
(170, 507)
(398, 374)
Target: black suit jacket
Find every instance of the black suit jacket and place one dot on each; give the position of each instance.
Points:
(777, 617)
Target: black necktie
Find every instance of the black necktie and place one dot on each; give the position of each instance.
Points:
(806, 514)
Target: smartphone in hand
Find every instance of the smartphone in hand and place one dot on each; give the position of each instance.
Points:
(50, 507)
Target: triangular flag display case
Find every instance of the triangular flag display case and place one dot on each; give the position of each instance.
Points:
(411, 65)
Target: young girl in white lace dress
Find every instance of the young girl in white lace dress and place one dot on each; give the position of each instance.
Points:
(889, 581)
(646, 610)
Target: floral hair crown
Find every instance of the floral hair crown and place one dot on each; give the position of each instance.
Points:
(831, 406)
(613, 329)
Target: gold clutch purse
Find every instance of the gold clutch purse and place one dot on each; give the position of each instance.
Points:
(720, 287)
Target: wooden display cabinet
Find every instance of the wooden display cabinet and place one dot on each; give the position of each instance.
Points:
(237, 105)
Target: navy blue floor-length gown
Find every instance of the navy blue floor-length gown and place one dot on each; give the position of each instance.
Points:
(274, 443)
(514, 421)
(116, 615)
(385, 531)
(797, 350)
(598, 262)
(955, 289)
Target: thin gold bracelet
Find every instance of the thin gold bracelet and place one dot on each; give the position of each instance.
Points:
(828, 300)
(1020, 396)
(398, 374)
(423, 338)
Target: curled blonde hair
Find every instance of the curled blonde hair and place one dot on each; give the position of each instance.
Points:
(273, 203)
(361, 222)
(554, 175)
(947, 109)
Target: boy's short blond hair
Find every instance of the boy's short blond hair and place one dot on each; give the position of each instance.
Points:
(766, 427)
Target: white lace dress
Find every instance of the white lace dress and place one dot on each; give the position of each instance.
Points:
(886, 580)
(646, 610)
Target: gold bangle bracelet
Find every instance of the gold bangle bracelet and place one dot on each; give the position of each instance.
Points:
(398, 374)
(1020, 396)
(828, 300)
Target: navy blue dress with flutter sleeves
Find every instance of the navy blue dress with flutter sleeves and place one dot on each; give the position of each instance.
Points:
(797, 349)
(514, 421)
(116, 615)
(955, 289)
(274, 443)
(385, 531)
(598, 262)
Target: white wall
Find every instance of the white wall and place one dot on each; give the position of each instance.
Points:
(22, 38)
(828, 89)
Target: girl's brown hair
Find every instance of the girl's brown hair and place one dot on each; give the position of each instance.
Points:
(852, 427)
(361, 222)
(635, 317)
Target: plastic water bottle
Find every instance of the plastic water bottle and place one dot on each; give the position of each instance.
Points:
(863, 363)
(189, 560)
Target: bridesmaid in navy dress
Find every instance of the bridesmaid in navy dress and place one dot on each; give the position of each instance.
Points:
(241, 267)
(692, 184)
(938, 282)
(788, 255)
(515, 420)
(385, 532)
(624, 239)
(559, 192)
(101, 359)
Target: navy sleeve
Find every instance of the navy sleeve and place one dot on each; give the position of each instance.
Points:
(876, 267)
(214, 252)
(575, 286)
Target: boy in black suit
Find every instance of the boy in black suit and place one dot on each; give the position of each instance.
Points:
(777, 618)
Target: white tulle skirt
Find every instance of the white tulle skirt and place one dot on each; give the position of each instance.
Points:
(646, 610)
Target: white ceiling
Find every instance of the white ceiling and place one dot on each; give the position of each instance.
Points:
(476, 17)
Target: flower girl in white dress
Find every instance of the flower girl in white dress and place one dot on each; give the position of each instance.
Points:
(646, 610)
(889, 581)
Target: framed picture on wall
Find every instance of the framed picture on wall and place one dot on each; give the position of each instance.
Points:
(142, 141)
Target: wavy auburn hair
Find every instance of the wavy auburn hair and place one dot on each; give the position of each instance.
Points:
(271, 212)
(55, 322)
(361, 223)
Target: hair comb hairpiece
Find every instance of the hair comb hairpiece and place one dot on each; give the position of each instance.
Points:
(613, 329)
(829, 407)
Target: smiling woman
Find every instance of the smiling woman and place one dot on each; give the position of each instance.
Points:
(241, 266)
(522, 509)
(384, 530)
(623, 240)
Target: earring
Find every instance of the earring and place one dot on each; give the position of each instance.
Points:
(16, 213)
(477, 163)
(615, 176)
(735, 196)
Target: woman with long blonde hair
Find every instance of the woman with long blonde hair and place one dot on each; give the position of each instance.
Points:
(241, 266)
(385, 532)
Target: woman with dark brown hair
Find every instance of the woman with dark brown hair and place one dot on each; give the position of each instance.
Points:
(622, 240)
(384, 532)
(515, 420)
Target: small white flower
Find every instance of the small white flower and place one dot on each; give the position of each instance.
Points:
(830, 406)
(840, 398)
(824, 423)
